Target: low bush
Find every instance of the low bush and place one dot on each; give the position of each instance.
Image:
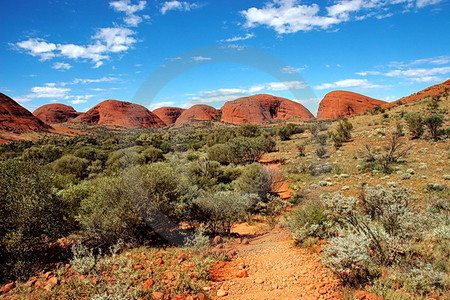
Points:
(222, 210)
(415, 124)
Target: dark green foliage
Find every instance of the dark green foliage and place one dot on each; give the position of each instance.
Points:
(248, 130)
(205, 173)
(220, 153)
(124, 207)
(285, 132)
(30, 211)
(310, 220)
(241, 149)
(415, 124)
(434, 122)
(44, 154)
(342, 134)
(71, 165)
(254, 179)
(222, 210)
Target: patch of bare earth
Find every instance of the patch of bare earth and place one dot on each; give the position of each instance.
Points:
(269, 266)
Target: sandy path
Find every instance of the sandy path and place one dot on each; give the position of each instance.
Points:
(275, 268)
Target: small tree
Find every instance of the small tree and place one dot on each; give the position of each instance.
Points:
(434, 122)
(222, 210)
(415, 124)
(342, 134)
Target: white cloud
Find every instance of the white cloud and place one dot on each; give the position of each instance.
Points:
(105, 41)
(239, 38)
(178, 5)
(418, 72)
(160, 104)
(291, 70)
(38, 47)
(427, 79)
(131, 19)
(346, 83)
(439, 60)
(423, 3)
(289, 16)
(201, 58)
(49, 91)
(89, 80)
(61, 66)
(77, 101)
(365, 73)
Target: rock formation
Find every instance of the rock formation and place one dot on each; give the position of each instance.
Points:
(341, 104)
(120, 113)
(262, 109)
(56, 113)
(14, 117)
(168, 114)
(199, 112)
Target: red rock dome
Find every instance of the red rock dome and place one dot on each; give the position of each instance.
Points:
(168, 114)
(56, 113)
(262, 109)
(341, 104)
(120, 113)
(14, 117)
(199, 112)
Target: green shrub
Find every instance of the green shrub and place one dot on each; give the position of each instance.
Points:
(220, 153)
(45, 153)
(248, 130)
(342, 134)
(434, 122)
(286, 131)
(205, 173)
(394, 151)
(152, 154)
(71, 165)
(222, 210)
(415, 124)
(30, 213)
(125, 158)
(254, 179)
(309, 221)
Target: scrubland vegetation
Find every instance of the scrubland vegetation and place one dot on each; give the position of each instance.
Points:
(92, 202)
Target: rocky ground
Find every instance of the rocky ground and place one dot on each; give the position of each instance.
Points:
(269, 266)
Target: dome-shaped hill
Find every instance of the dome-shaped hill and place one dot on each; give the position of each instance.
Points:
(56, 113)
(341, 104)
(120, 113)
(14, 117)
(168, 115)
(262, 109)
(200, 112)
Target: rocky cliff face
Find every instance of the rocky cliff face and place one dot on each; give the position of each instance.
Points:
(341, 104)
(14, 117)
(262, 109)
(200, 112)
(56, 113)
(119, 113)
(168, 115)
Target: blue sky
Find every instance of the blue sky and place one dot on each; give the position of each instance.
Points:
(81, 52)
